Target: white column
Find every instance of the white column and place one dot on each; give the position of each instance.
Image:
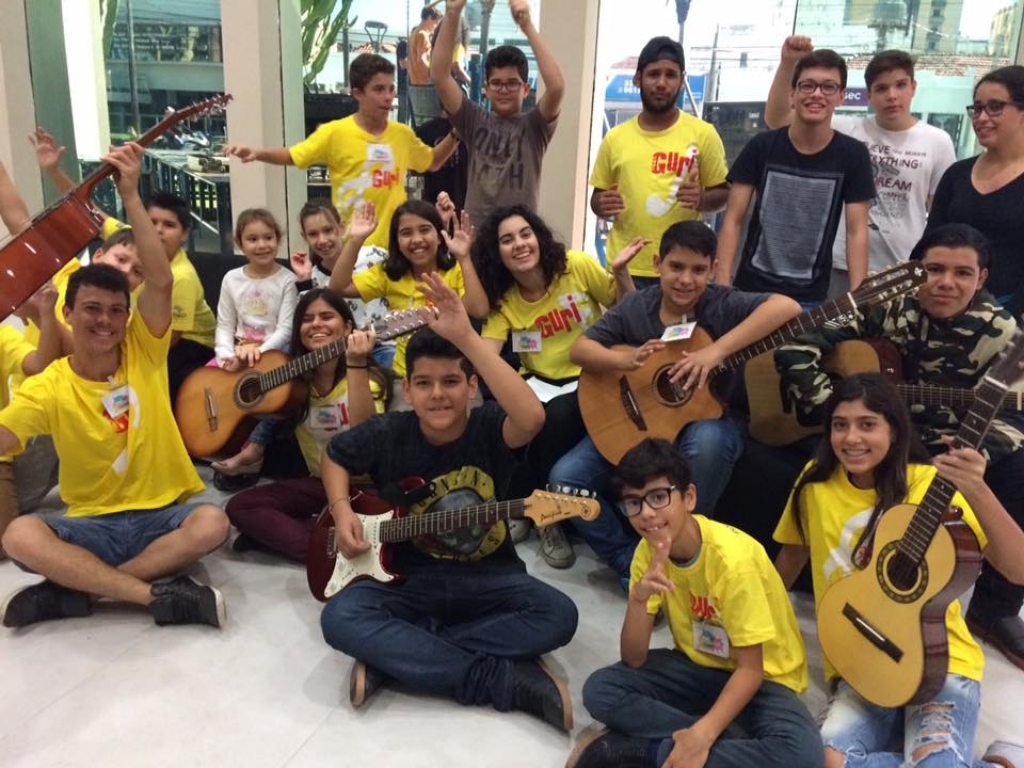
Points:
(87, 77)
(570, 26)
(263, 71)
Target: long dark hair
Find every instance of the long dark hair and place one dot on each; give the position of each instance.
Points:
(396, 265)
(378, 374)
(879, 396)
(493, 274)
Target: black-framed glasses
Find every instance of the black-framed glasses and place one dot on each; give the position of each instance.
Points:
(828, 88)
(656, 498)
(993, 108)
(504, 86)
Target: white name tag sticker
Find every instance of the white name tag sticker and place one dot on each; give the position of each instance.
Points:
(526, 341)
(115, 403)
(678, 332)
(710, 639)
(326, 418)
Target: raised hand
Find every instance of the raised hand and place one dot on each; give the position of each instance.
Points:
(446, 314)
(454, 5)
(690, 191)
(301, 265)
(43, 300)
(127, 159)
(520, 12)
(609, 203)
(363, 222)
(459, 244)
(243, 153)
(795, 47)
(445, 209)
(654, 581)
(633, 247)
(48, 152)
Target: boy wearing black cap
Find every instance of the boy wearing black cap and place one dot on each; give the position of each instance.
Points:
(661, 167)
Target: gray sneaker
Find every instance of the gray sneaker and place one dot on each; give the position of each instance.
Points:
(43, 602)
(182, 601)
(519, 530)
(1004, 753)
(555, 547)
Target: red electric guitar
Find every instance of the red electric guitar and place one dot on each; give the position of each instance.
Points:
(59, 233)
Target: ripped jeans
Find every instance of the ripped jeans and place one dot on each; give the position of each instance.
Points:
(939, 734)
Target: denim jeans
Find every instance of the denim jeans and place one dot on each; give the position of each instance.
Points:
(939, 734)
(670, 692)
(454, 637)
(711, 446)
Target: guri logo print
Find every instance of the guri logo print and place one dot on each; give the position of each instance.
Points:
(560, 319)
(702, 607)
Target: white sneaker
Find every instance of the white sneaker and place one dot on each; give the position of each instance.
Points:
(1005, 754)
(555, 547)
(519, 530)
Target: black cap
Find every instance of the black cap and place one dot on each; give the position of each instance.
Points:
(659, 48)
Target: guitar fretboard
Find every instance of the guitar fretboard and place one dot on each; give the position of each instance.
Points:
(405, 528)
(952, 397)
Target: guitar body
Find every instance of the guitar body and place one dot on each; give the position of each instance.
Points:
(33, 256)
(214, 404)
(773, 418)
(886, 634)
(621, 409)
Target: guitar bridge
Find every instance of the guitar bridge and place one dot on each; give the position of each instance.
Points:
(210, 404)
(872, 635)
(630, 405)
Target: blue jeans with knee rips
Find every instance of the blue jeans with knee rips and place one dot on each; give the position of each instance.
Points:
(711, 446)
(938, 734)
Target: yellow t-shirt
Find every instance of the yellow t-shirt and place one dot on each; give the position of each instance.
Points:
(374, 283)
(327, 416)
(643, 165)
(13, 351)
(365, 166)
(60, 282)
(118, 459)
(190, 314)
(834, 515)
(729, 596)
(571, 305)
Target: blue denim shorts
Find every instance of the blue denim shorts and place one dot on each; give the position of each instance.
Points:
(120, 536)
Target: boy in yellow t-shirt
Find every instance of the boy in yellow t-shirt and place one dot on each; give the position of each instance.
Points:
(124, 470)
(738, 657)
(366, 153)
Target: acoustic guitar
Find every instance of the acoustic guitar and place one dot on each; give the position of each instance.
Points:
(328, 571)
(620, 409)
(883, 628)
(773, 412)
(214, 406)
(63, 230)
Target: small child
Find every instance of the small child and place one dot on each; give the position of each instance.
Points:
(738, 657)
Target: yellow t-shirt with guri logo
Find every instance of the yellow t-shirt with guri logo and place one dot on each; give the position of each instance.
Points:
(119, 445)
(833, 516)
(13, 351)
(326, 417)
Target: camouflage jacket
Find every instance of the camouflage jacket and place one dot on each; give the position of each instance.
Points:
(946, 353)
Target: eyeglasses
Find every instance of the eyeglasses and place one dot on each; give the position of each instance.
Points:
(656, 498)
(828, 88)
(504, 86)
(992, 108)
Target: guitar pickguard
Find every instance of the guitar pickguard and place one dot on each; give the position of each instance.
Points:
(370, 564)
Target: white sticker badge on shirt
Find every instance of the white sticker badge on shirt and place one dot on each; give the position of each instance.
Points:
(678, 332)
(326, 418)
(710, 639)
(380, 153)
(526, 341)
(115, 403)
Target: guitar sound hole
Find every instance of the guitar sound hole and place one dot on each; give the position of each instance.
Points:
(902, 572)
(248, 392)
(670, 393)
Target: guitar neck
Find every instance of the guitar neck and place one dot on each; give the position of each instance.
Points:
(404, 528)
(827, 311)
(937, 498)
(952, 397)
(390, 327)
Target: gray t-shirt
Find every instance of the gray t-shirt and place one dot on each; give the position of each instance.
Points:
(505, 157)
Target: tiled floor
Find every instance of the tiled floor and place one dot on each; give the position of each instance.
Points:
(266, 692)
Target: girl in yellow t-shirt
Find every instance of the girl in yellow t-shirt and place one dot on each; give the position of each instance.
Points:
(418, 244)
(543, 297)
(343, 392)
(868, 461)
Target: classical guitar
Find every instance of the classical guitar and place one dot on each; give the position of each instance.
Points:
(773, 419)
(213, 405)
(59, 233)
(329, 572)
(622, 408)
(883, 628)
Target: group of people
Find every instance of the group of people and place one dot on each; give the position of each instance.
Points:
(114, 340)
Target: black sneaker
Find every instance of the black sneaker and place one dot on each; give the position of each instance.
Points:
(601, 748)
(538, 691)
(363, 683)
(182, 601)
(234, 483)
(43, 602)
